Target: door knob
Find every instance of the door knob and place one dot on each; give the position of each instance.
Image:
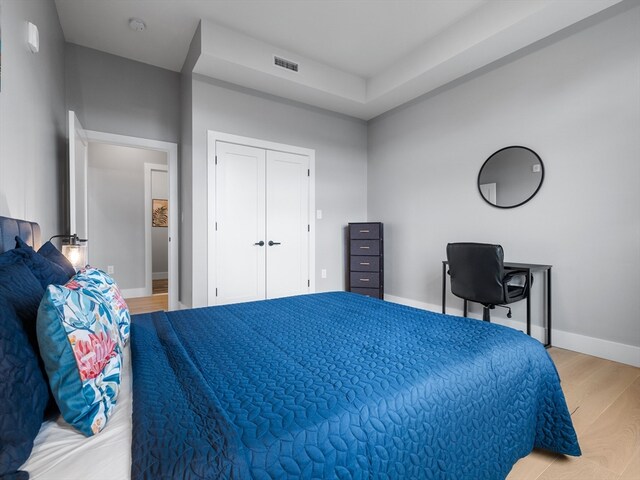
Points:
(272, 243)
(260, 243)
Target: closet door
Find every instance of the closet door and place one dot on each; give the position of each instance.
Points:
(240, 218)
(287, 222)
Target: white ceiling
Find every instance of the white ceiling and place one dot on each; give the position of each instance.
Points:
(381, 52)
(358, 36)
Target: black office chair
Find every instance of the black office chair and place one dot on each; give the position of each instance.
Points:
(478, 275)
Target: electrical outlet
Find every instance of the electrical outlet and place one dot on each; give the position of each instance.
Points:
(319, 214)
(110, 269)
(323, 273)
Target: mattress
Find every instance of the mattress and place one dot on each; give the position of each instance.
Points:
(62, 453)
(338, 385)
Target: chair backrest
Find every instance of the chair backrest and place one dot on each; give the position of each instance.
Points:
(477, 272)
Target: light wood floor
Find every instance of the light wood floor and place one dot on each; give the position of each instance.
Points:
(148, 304)
(604, 398)
(158, 301)
(160, 286)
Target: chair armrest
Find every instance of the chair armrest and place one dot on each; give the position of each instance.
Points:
(513, 274)
(524, 283)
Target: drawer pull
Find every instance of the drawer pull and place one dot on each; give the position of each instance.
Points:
(365, 263)
(364, 231)
(364, 248)
(364, 279)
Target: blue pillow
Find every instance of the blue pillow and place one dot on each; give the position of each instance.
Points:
(81, 348)
(23, 396)
(45, 271)
(22, 291)
(51, 253)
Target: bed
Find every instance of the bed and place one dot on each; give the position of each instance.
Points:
(338, 385)
(331, 385)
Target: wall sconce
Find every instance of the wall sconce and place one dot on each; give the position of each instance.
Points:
(75, 249)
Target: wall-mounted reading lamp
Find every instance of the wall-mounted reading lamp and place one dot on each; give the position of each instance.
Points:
(74, 248)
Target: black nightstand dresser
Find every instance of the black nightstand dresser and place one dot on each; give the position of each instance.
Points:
(366, 259)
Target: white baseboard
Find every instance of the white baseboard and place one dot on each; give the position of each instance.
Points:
(135, 292)
(160, 275)
(182, 306)
(597, 347)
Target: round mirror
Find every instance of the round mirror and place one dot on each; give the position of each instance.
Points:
(511, 177)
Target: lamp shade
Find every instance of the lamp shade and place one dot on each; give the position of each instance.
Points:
(76, 254)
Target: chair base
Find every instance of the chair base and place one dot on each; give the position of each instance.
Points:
(486, 314)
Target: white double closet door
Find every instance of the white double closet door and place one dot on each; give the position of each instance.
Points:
(262, 223)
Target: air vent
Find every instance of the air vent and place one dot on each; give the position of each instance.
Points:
(284, 63)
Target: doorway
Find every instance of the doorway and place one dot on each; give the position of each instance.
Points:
(261, 222)
(120, 236)
(116, 196)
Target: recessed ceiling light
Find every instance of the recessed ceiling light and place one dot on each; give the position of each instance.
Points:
(137, 24)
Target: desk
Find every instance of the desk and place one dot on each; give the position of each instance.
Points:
(529, 268)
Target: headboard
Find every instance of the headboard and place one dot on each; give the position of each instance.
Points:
(28, 231)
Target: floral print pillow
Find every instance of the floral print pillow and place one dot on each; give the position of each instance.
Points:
(81, 348)
(95, 280)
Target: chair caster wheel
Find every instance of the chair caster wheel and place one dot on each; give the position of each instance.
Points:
(509, 315)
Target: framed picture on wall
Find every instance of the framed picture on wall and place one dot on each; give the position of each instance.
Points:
(159, 212)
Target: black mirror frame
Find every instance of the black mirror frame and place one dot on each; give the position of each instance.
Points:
(527, 199)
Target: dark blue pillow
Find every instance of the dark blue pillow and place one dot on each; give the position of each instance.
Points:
(51, 253)
(23, 292)
(23, 396)
(45, 271)
(20, 289)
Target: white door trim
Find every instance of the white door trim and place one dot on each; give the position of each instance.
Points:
(212, 138)
(76, 129)
(171, 149)
(148, 245)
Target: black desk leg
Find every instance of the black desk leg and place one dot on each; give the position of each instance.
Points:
(548, 307)
(466, 307)
(444, 287)
(529, 303)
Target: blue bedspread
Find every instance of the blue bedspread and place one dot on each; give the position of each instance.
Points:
(337, 385)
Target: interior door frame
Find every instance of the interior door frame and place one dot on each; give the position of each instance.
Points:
(171, 149)
(76, 131)
(212, 138)
(148, 229)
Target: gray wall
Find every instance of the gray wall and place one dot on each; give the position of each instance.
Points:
(32, 117)
(159, 235)
(116, 210)
(341, 168)
(576, 102)
(116, 95)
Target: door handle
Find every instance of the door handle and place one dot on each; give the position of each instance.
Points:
(272, 243)
(260, 243)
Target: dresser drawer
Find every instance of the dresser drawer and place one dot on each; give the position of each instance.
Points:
(365, 247)
(369, 292)
(365, 264)
(364, 230)
(365, 279)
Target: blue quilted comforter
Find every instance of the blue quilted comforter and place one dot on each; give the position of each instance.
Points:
(337, 385)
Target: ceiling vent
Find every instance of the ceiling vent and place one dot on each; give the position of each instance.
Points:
(284, 63)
